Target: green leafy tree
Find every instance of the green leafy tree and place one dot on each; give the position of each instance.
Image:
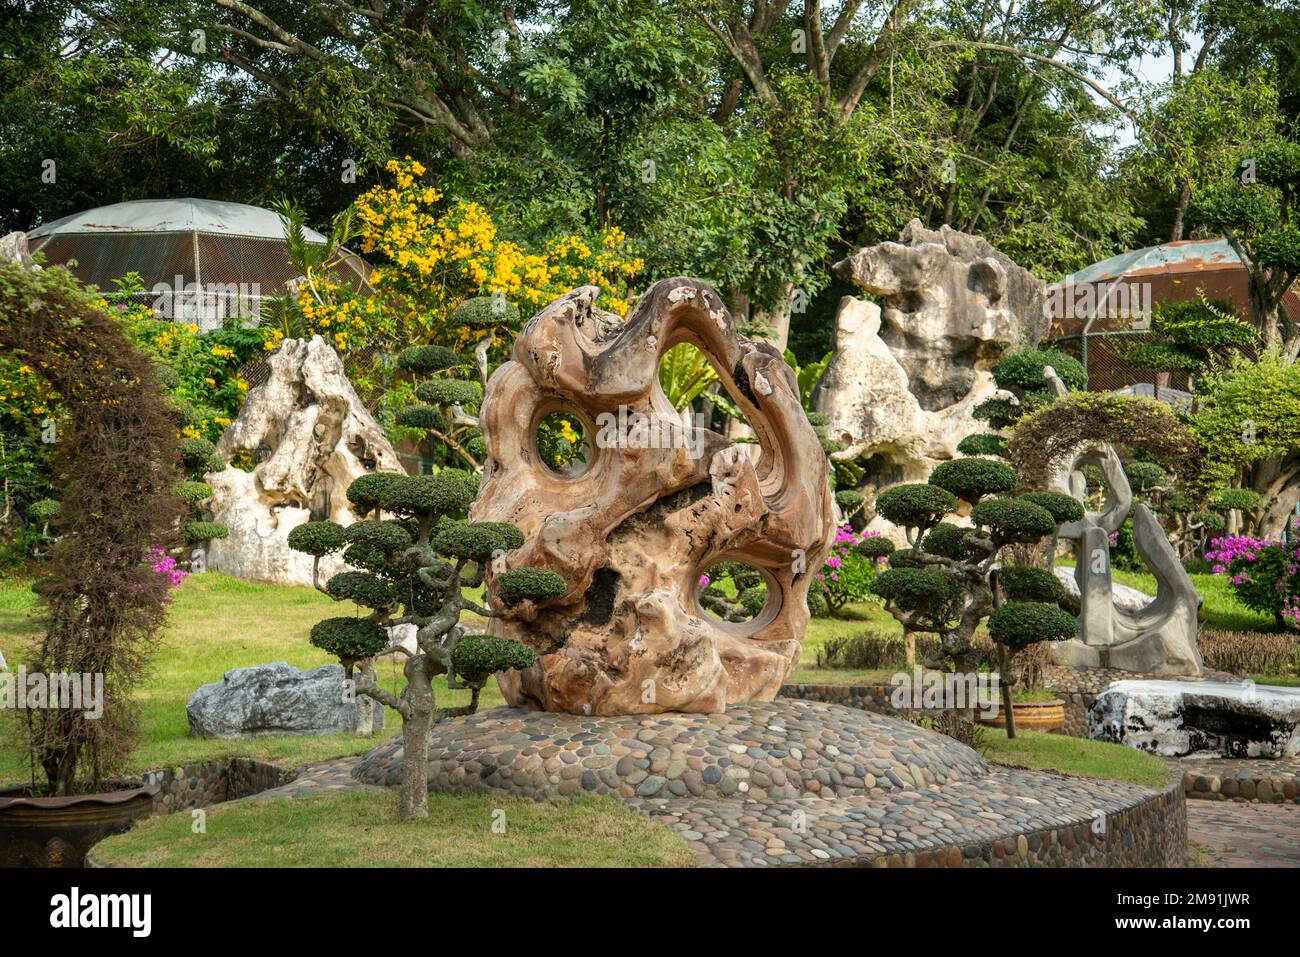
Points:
(1194, 336)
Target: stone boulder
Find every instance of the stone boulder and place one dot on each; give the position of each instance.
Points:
(275, 700)
(903, 382)
(314, 437)
(1199, 718)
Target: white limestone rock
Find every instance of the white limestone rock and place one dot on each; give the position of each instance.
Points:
(1199, 718)
(318, 438)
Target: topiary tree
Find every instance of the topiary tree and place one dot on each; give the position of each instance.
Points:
(198, 457)
(447, 410)
(950, 580)
(1194, 336)
(414, 568)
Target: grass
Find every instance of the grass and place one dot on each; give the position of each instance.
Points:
(362, 829)
(215, 624)
(1089, 759)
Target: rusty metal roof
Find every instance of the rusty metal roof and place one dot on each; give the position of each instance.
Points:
(1172, 272)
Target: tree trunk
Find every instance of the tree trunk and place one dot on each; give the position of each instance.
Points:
(1005, 686)
(415, 740)
(1184, 198)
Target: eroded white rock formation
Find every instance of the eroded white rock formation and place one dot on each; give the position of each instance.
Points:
(1199, 718)
(904, 380)
(314, 437)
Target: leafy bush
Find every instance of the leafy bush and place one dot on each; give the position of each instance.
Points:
(973, 478)
(983, 443)
(1021, 583)
(916, 505)
(349, 639)
(847, 574)
(428, 358)
(1023, 370)
(385, 536)
(366, 490)
(533, 584)
(193, 493)
(196, 533)
(199, 456)
(1230, 499)
(365, 589)
(818, 607)
(478, 656)
(874, 546)
(450, 391)
(869, 651)
(1011, 520)
(932, 593)
(1019, 624)
(1063, 508)
(949, 540)
(317, 538)
(1264, 575)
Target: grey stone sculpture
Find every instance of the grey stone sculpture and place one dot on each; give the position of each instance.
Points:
(275, 700)
(1158, 639)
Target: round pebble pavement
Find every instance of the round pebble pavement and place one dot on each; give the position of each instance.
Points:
(770, 750)
(798, 783)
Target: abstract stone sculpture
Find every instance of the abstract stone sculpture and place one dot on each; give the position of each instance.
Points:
(634, 532)
(902, 384)
(1158, 639)
(315, 436)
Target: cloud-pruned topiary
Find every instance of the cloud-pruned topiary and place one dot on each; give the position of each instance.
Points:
(875, 547)
(317, 538)
(915, 507)
(950, 541)
(349, 639)
(196, 533)
(1022, 583)
(973, 478)
(928, 596)
(450, 392)
(484, 312)
(1023, 370)
(1236, 499)
(1017, 625)
(428, 417)
(429, 358)
(529, 584)
(414, 569)
(1013, 521)
(477, 657)
(982, 443)
(1063, 508)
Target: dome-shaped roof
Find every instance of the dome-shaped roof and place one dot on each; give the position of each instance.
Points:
(186, 215)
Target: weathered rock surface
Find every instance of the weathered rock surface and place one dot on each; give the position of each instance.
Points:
(634, 531)
(1199, 718)
(274, 700)
(903, 382)
(316, 437)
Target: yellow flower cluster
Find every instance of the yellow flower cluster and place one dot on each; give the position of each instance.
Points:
(437, 254)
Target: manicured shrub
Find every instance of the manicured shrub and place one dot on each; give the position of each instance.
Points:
(1022, 583)
(478, 656)
(422, 417)
(925, 590)
(43, 510)
(950, 541)
(472, 541)
(1020, 624)
(450, 492)
(850, 501)
(754, 599)
(349, 639)
(199, 456)
(193, 493)
(532, 584)
(366, 490)
(196, 533)
(429, 358)
(450, 391)
(1023, 369)
(916, 505)
(973, 478)
(367, 590)
(875, 547)
(817, 604)
(1012, 521)
(1230, 499)
(998, 413)
(317, 538)
(381, 536)
(1144, 476)
(483, 312)
(983, 443)
(1063, 508)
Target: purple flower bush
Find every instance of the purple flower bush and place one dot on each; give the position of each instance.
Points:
(1264, 574)
(847, 575)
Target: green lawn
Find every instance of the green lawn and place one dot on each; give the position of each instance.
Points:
(1089, 759)
(217, 623)
(362, 829)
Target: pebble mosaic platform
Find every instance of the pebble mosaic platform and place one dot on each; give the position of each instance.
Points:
(766, 750)
(800, 783)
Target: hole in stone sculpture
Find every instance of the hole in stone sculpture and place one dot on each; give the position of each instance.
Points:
(563, 443)
(733, 592)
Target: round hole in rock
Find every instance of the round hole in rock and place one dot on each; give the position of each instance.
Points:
(563, 443)
(732, 592)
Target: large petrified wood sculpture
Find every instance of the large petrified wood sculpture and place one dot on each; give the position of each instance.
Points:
(636, 528)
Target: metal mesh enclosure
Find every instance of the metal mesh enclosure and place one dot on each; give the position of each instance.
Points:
(200, 261)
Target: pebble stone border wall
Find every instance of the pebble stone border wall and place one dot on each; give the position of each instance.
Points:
(1255, 780)
(799, 783)
(212, 782)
